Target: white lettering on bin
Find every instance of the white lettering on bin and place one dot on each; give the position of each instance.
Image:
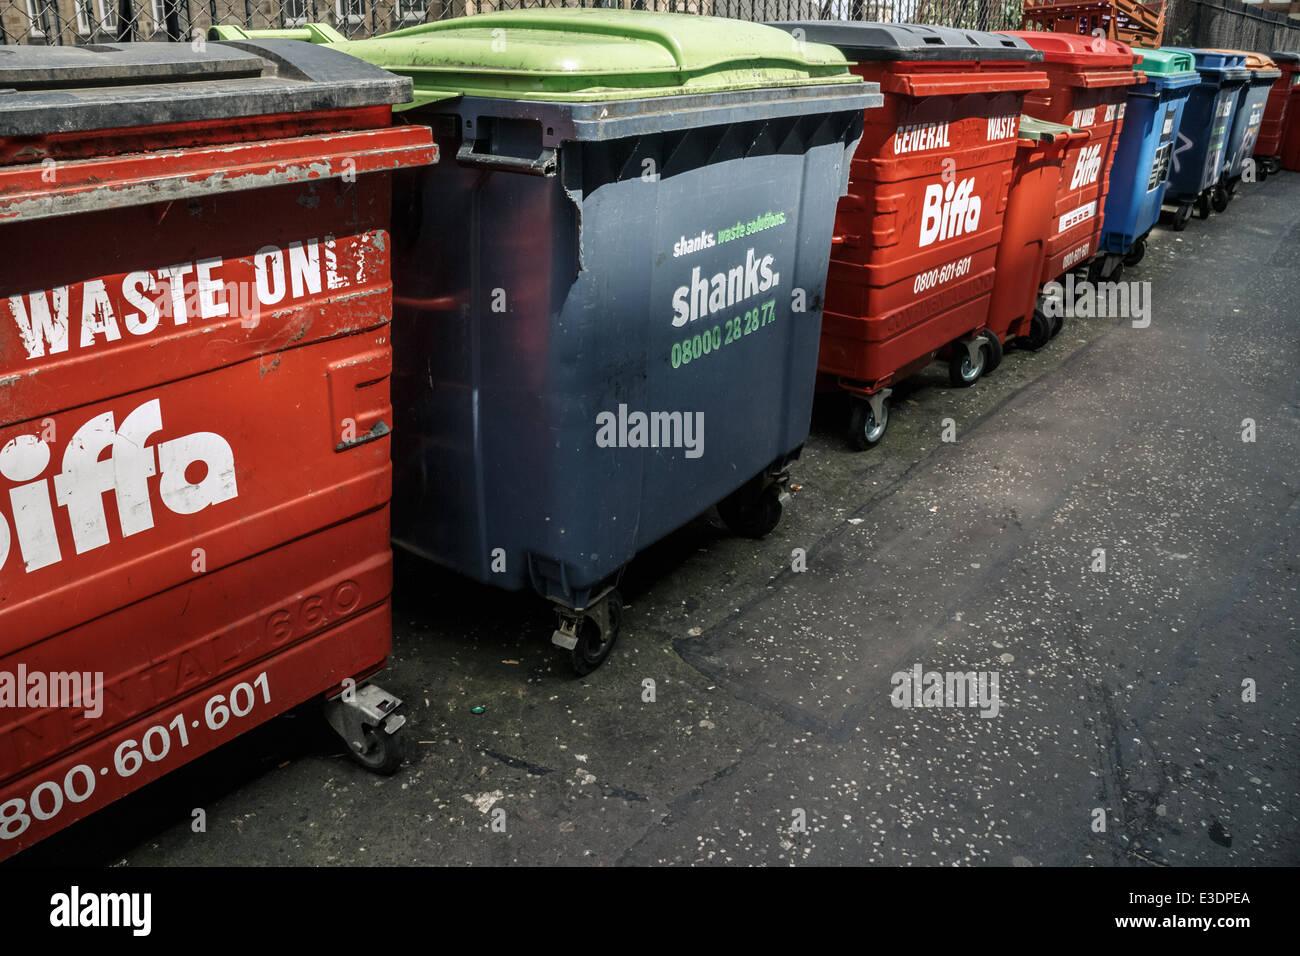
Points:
(87, 474)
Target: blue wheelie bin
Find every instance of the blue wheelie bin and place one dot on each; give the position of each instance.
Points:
(1203, 136)
(1140, 172)
(1246, 123)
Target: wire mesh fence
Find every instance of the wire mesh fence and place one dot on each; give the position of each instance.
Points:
(1230, 24)
(100, 21)
(1225, 23)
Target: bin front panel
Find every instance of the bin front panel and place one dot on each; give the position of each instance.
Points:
(1246, 123)
(233, 673)
(1207, 122)
(540, 318)
(196, 403)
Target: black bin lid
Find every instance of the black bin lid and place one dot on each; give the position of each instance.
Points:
(911, 41)
(120, 85)
(1282, 56)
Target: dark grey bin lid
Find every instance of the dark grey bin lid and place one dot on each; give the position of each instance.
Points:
(911, 41)
(1285, 57)
(112, 86)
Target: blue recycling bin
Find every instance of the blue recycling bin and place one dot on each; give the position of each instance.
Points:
(1140, 173)
(1246, 123)
(1197, 160)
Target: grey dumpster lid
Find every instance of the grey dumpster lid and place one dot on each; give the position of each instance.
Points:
(911, 41)
(109, 85)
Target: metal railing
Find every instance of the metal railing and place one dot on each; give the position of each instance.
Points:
(1221, 23)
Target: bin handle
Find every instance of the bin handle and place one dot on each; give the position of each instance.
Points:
(1100, 78)
(543, 165)
(957, 84)
(442, 303)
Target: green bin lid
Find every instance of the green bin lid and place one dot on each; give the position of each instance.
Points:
(1166, 61)
(584, 55)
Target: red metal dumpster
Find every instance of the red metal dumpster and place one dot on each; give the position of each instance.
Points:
(1090, 78)
(194, 409)
(917, 233)
(1277, 114)
(1031, 202)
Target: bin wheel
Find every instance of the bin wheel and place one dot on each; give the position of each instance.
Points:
(384, 752)
(752, 515)
(864, 430)
(596, 640)
(994, 358)
(962, 372)
(1040, 330)
(1182, 217)
(1136, 252)
(1261, 172)
(1274, 166)
(1058, 323)
(1218, 199)
(1203, 205)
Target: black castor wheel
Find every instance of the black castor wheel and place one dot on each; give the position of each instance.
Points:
(1136, 252)
(753, 510)
(1040, 330)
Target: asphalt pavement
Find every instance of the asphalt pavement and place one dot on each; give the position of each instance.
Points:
(1145, 714)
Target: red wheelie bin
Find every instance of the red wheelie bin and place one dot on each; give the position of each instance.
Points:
(916, 236)
(1026, 229)
(195, 358)
(1089, 83)
(1281, 115)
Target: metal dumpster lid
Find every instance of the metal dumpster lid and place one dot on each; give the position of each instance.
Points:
(911, 41)
(579, 55)
(111, 85)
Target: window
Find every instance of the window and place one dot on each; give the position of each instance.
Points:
(107, 15)
(350, 11)
(295, 12)
(412, 10)
(83, 15)
(38, 15)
